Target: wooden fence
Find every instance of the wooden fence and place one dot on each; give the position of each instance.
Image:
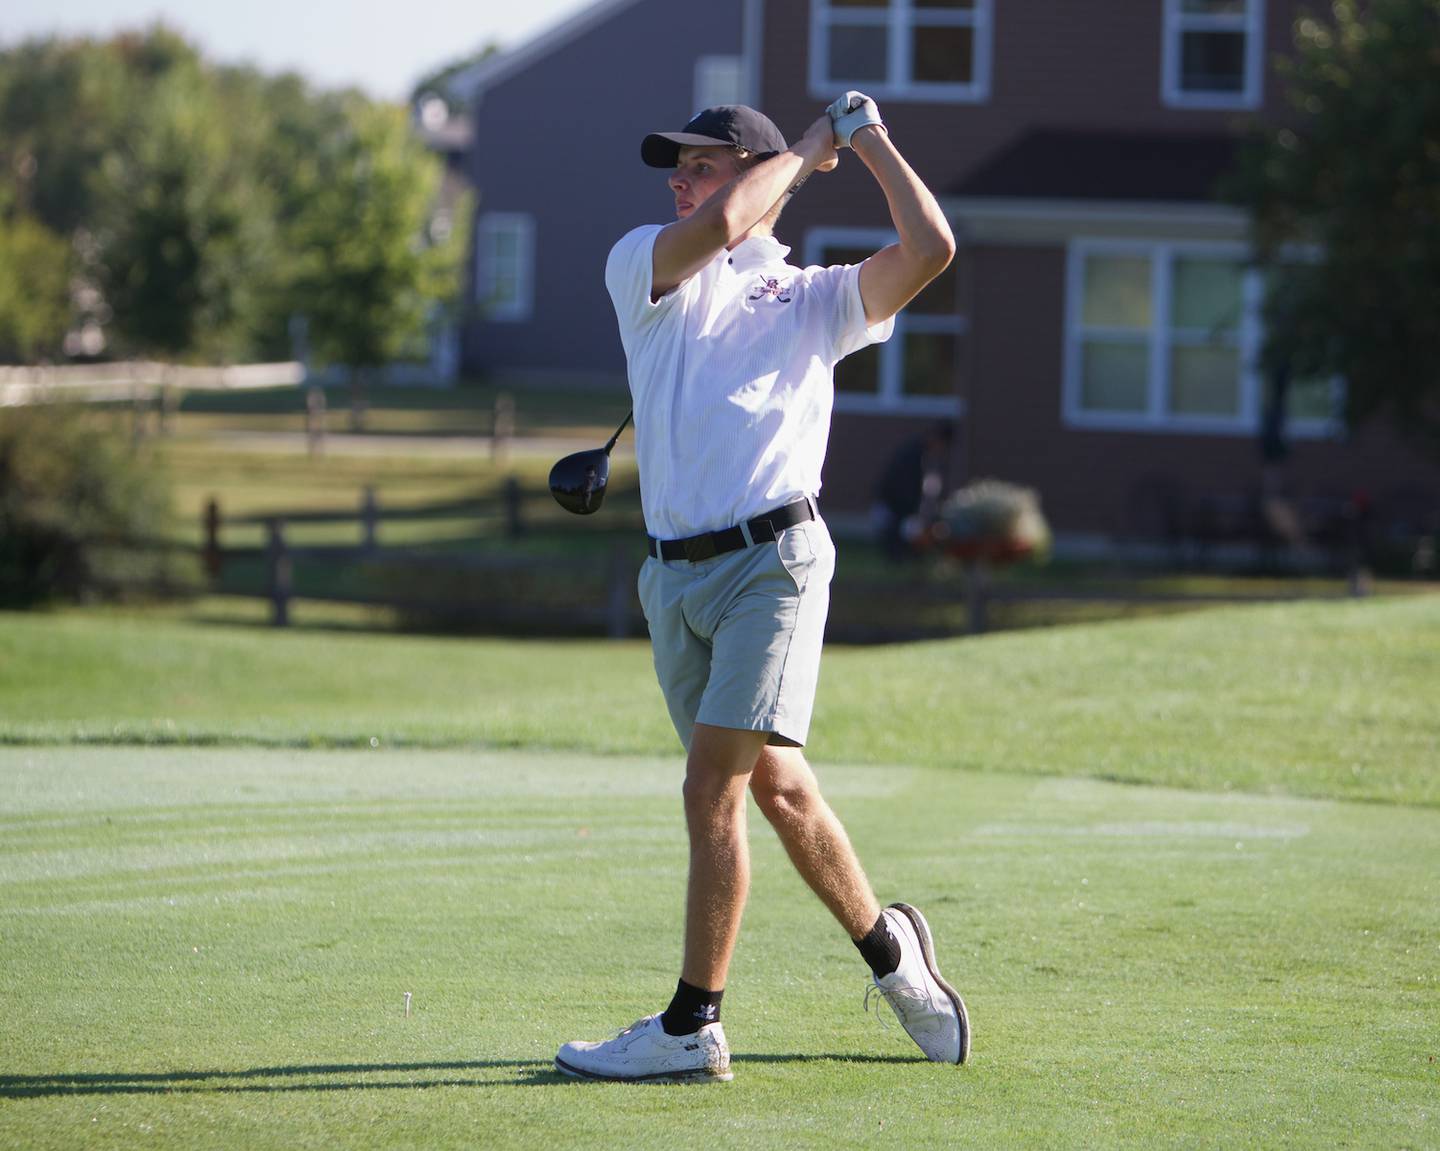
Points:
(139, 381)
(592, 592)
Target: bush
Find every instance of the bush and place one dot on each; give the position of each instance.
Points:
(82, 509)
(35, 267)
(994, 520)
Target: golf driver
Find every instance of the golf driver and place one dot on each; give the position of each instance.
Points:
(578, 481)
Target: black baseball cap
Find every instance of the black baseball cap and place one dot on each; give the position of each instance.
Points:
(728, 124)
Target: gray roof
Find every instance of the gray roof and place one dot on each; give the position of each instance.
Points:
(1071, 164)
(470, 84)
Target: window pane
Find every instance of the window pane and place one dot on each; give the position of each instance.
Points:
(1206, 294)
(943, 55)
(719, 80)
(930, 363)
(859, 372)
(937, 298)
(504, 245)
(1311, 400)
(1212, 61)
(969, 4)
(1213, 7)
(1205, 381)
(1117, 291)
(502, 292)
(858, 53)
(859, 3)
(835, 255)
(1113, 377)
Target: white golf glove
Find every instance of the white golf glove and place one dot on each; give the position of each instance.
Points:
(850, 113)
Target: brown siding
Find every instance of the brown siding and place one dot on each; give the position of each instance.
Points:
(1055, 64)
(1093, 481)
(860, 447)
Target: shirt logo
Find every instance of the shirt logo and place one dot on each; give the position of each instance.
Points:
(774, 289)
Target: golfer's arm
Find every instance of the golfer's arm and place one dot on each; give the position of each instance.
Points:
(686, 246)
(893, 276)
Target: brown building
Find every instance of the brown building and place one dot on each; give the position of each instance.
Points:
(1097, 336)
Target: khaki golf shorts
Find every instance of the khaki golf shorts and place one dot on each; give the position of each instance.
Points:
(736, 638)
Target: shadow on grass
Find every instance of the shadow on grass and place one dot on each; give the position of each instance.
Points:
(334, 1077)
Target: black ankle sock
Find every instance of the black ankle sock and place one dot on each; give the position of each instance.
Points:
(691, 1009)
(880, 949)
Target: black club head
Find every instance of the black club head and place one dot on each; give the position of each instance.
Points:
(578, 481)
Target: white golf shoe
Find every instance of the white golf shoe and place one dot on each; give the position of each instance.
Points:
(930, 1010)
(644, 1052)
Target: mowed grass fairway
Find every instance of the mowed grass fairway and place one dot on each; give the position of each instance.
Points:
(1186, 872)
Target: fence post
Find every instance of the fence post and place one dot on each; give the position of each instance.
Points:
(502, 428)
(369, 518)
(1357, 570)
(139, 413)
(213, 557)
(167, 404)
(315, 420)
(617, 605)
(514, 521)
(280, 575)
(359, 400)
(976, 580)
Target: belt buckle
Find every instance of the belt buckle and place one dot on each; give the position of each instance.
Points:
(699, 548)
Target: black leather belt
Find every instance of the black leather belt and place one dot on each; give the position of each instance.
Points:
(761, 529)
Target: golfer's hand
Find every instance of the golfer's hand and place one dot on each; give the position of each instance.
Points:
(850, 113)
(818, 146)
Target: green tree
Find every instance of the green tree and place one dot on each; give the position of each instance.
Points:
(369, 274)
(35, 269)
(300, 127)
(1354, 175)
(125, 148)
(183, 231)
(205, 205)
(62, 111)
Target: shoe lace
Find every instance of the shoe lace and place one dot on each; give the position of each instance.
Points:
(629, 1031)
(873, 992)
(901, 1000)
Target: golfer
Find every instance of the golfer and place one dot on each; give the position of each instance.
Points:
(731, 352)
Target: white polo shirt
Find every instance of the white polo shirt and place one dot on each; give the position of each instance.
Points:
(731, 374)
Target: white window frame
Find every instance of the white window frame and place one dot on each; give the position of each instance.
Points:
(1177, 22)
(522, 226)
(899, 18)
(890, 395)
(1157, 417)
(719, 80)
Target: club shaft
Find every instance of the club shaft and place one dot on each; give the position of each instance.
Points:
(623, 424)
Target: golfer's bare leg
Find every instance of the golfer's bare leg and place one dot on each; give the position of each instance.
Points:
(789, 796)
(716, 775)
